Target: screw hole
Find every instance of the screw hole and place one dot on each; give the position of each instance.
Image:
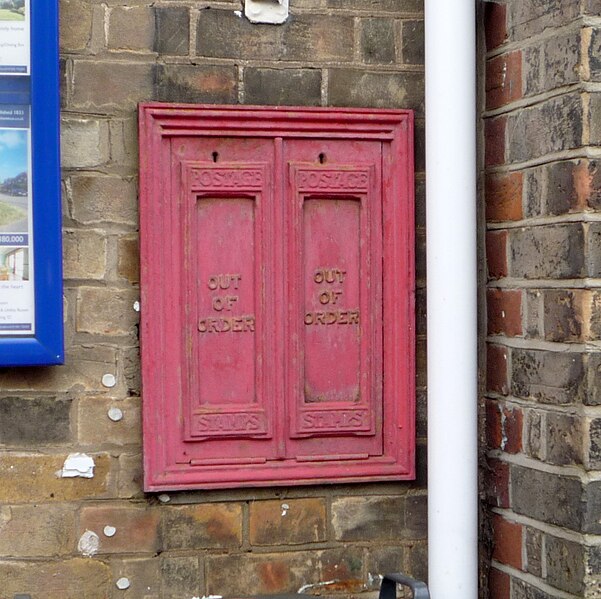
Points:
(322, 158)
(215, 156)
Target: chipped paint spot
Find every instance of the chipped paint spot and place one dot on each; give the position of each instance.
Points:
(77, 465)
(89, 543)
(109, 380)
(123, 583)
(109, 531)
(316, 585)
(285, 508)
(504, 438)
(115, 414)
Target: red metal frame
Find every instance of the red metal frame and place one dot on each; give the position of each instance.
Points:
(279, 198)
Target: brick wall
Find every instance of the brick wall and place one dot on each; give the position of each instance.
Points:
(115, 54)
(541, 173)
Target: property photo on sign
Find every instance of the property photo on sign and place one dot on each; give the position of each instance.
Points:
(12, 10)
(14, 198)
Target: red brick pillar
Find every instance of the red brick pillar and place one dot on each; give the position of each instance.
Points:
(541, 181)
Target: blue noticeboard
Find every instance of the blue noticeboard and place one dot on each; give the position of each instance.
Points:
(31, 294)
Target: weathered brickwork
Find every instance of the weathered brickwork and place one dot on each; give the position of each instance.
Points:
(66, 538)
(541, 186)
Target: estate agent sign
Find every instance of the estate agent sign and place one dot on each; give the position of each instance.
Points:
(30, 258)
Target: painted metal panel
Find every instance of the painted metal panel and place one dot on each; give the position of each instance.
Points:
(277, 321)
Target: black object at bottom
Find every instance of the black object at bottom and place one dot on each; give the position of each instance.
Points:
(389, 582)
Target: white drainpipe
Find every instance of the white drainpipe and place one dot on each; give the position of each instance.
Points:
(452, 289)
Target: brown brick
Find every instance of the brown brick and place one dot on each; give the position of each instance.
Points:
(367, 518)
(594, 443)
(551, 126)
(378, 5)
(84, 142)
(547, 252)
(131, 28)
(494, 435)
(533, 544)
(496, 254)
(512, 423)
(507, 539)
(508, 423)
(181, 577)
(267, 573)
(300, 39)
(75, 25)
(565, 564)
(128, 258)
(417, 561)
(69, 579)
(384, 560)
(498, 582)
(143, 575)
(201, 526)
(497, 483)
(547, 377)
(523, 590)
(546, 496)
(100, 199)
(36, 530)
(495, 24)
(553, 63)
(172, 30)
(84, 254)
(564, 439)
(503, 79)
(196, 83)
(378, 41)
(130, 360)
(84, 368)
(111, 86)
(533, 186)
(416, 516)
(587, 184)
(32, 478)
(504, 197)
(353, 87)
(129, 483)
(563, 317)
(136, 527)
(591, 118)
(105, 311)
(591, 516)
(534, 434)
(287, 522)
(412, 42)
(95, 428)
(568, 187)
(27, 422)
(293, 87)
(532, 310)
(592, 249)
(496, 369)
(504, 312)
(494, 140)
(124, 143)
(530, 18)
